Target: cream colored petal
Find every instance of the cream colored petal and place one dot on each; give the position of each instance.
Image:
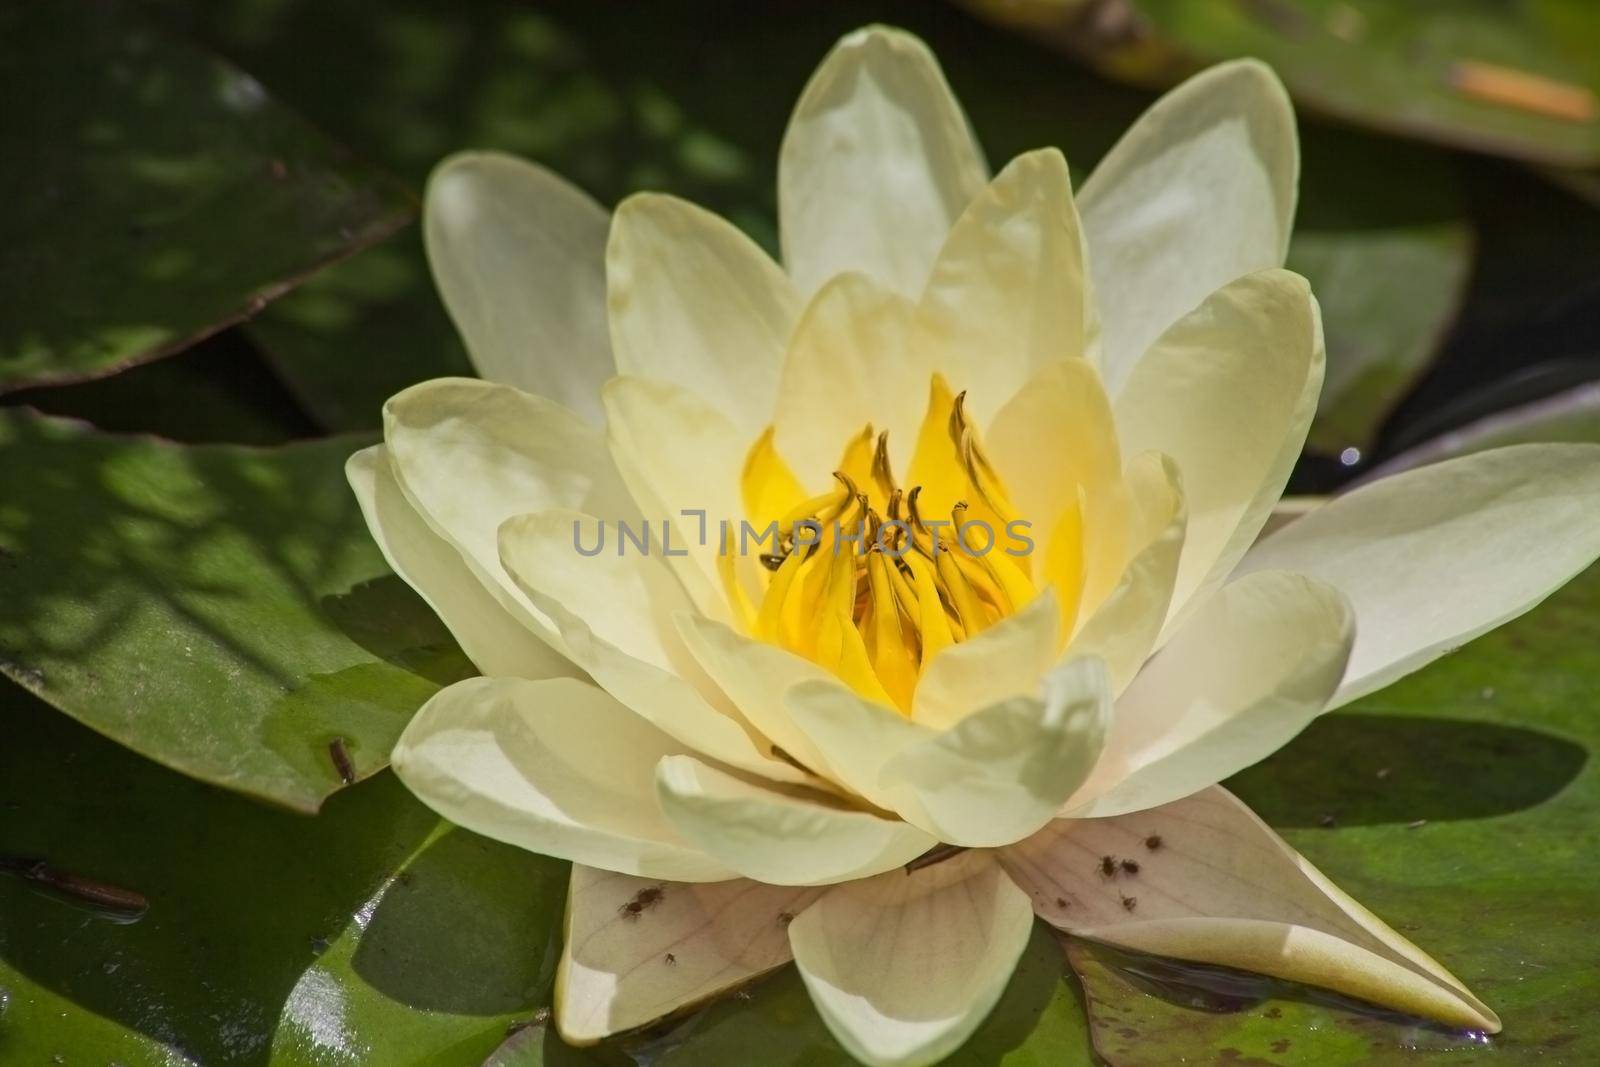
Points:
(877, 162)
(613, 613)
(496, 642)
(1222, 888)
(638, 949)
(1241, 677)
(518, 254)
(1124, 628)
(681, 458)
(1433, 557)
(903, 968)
(755, 675)
(780, 839)
(1228, 392)
(471, 454)
(1006, 660)
(553, 766)
(1009, 293)
(1199, 191)
(994, 778)
(695, 302)
(853, 360)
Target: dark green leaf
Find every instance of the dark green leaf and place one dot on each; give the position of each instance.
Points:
(219, 609)
(372, 934)
(152, 194)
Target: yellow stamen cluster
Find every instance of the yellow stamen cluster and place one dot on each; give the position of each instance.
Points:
(864, 583)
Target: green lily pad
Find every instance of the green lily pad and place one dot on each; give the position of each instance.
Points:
(153, 194)
(371, 934)
(220, 609)
(1518, 79)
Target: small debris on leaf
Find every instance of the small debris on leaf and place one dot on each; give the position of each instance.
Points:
(1153, 842)
(1108, 865)
(1129, 903)
(1328, 821)
(341, 761)
(1130, 867)
(648, 897)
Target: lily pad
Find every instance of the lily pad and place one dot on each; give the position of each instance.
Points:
(220, 609)
(153, 194)
(372, 934)
(1518, 79)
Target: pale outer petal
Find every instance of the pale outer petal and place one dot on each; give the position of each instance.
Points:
(779, 839)
(1249, 670)
(993, 778)
(1222, 888)
(470, 454)
(1433, 557)
(622, 968)
(1124, 628)
(613, 614)
(903, 968)
(1199, 191)
(876, 164)
(518, 254)
(695, 302)
(1229, 393)
(494, 639)
(1009, 293)
(555, 766)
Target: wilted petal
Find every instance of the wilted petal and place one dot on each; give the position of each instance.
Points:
(471, 454)
(1200, 190)
(495, 640)
(1220, 887)
(695, 302)
(1433, 557)
(518, 254)
(876, 164)
(637, 949)
(555, 766)
(993, 778)
(903, 968)
(1228, 392)
(613, 614)
(781, 839)
(1009, 294)
(1124, 628)
(1241, 677)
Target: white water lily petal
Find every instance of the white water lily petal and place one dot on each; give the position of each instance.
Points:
(1241, 677)
(1433, 557)
(756, 676)
(1199, 191)
(1124, 628)
(695, 302)
(554, 766)
(876, 164)
(1009, 293)
(995, 777)
(613, 614)
(681, 459)
(904, 968)
(853, 360)
(637, 949)
(1006, 660)
(780, 839)
(471, 454)
(495, 641)
(1228, 392)
(1222, 888)
(518, 254)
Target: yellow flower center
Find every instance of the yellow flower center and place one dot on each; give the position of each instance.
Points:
(874, 577)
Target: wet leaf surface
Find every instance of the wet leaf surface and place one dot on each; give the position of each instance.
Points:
(371, 934)
(153, 194)
(219, 609)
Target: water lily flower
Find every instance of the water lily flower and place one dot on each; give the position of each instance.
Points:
(871, 746)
